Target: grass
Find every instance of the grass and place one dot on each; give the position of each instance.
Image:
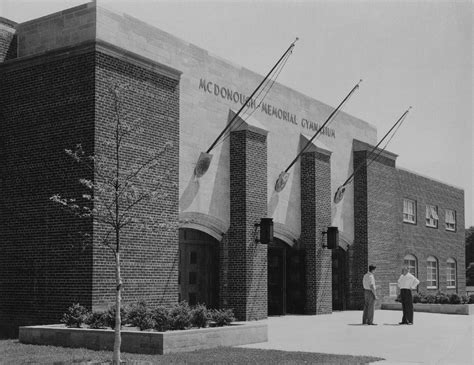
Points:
(12, 352)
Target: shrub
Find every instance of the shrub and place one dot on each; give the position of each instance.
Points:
(417, 297)
(471, 299)
(75, 316)
(161, 317)
(141, 316)
(199, 316)
(430, 299)
(442, 298)
(454, 299)
(180, 316)
(464, 299)
(96, 320)
(222, 317)
(109, 316)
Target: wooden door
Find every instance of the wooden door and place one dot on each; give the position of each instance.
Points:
(339, 279)
(198, 269)
(276, 281)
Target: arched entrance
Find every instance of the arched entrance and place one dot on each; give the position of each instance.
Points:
(198, 276)
(286, 279)
(339, 279)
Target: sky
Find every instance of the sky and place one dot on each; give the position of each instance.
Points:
(408, 53)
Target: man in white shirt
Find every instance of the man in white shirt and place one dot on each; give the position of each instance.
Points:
(406, 283)
(370, 296)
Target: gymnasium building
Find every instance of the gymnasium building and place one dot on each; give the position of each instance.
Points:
(55, 76)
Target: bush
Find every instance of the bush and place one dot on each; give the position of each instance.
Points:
(96, 320)
(442, 298)
(471, 299)
(109, 316)
(141, 316)
(199, 316)
(464, 299)
(75, 316)
(222, 317)
(399, 298)
(180, 316)
(430, 299)
(161, 317)
(417, 297)
(454, 299)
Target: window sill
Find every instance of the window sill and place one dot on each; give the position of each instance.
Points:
(450, 287)
(431, 287)
(409, 222)
(450, 230)
(428, 226)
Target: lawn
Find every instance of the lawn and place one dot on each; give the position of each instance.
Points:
(12, 352)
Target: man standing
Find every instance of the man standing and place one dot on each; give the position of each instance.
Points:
(370, 296)
(406, 283)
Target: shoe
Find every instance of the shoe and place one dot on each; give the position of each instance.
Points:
(409, 323)
(402, 323)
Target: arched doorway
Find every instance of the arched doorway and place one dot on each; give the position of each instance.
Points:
(339, 279)
(198, 276)
(286, 279)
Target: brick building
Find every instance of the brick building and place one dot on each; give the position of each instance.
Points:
(54, 76)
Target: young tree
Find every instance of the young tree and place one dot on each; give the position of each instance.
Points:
(120, 184)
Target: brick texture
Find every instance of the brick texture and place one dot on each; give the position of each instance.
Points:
(51, 103)
(247, 260)
(383, 239)
(150, 257)
(45, 108)
(315, 218)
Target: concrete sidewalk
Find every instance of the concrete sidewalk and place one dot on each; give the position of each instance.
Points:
(433, 339)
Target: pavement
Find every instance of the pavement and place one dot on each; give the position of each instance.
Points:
(434, 338)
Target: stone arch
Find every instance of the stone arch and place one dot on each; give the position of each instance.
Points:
(213, 226)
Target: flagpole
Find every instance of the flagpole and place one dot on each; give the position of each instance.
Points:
(250, 97)
(378, 144)
(341, 189)
(321, 128)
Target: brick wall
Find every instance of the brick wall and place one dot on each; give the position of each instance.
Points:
(51, 103)
(46, 105)
(383, 239)
(247, 260)
(422, 241)
(315, 218)
(358, 251)
(150, 256)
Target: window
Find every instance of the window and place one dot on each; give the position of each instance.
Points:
(451, 273)
(431, 273)
(410, 262)
(450, 219)
(409, 211)
(432, 216)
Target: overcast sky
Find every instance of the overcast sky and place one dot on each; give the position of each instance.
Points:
(415, 53)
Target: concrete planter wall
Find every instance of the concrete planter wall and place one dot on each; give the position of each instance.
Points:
(147, 342)
(467, 309)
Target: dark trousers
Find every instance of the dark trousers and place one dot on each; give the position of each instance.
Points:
(369, 306)
(407, 305)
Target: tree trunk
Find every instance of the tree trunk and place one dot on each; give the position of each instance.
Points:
(118, 320)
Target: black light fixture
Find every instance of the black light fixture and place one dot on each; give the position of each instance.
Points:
(332, 238)
(266, 231)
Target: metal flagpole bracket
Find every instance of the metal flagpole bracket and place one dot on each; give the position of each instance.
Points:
(202, 164)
